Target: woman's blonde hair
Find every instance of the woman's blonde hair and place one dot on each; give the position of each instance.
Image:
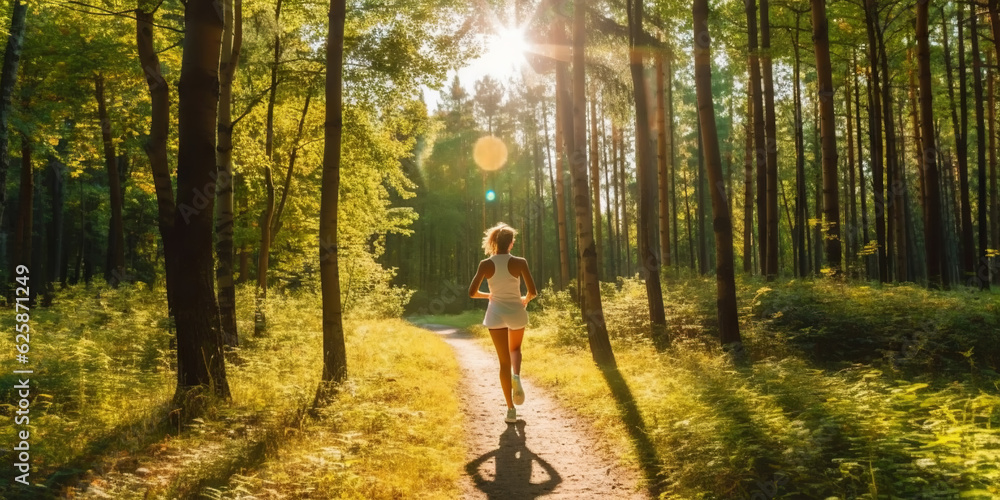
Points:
(497, 237)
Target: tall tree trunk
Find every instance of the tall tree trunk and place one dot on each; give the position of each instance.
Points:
(928, 160)
(982, 269)
(688, 219)
(557, 277)
(861, 170)
(232, 42)
(156, 147)
(8, 78)
(645, 170)
(675, 246)
(538, 207)
(953, 265)
(994, 12)
(115, 270)
(292, 156)
(916, 265)
(575, 136)
(626, 242)
(771, 143)
(747, 190)
(788, 219)
(852, 214)
(994, 206)
(729, 327)
(199, 339)
(968, 248)
(875, 113)
(23, 227)
(609, 263)
(86, 242)
(616, 244)
(661, 163)
(831, 205)
(801, 208)
(699, 195)
(56, 182)
(595, 184)
(896, 231)
(334, 350)
(266, 217)
(561, 112)
(915, 125)
(758, 126)
(817, 230)
(959, 146)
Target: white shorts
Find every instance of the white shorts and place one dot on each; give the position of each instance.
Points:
(506, 315)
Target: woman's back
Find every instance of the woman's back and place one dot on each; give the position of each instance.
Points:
(504, 287)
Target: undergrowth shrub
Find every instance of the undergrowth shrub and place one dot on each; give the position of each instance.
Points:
(102, 405)
(905, 325)
(854, 391)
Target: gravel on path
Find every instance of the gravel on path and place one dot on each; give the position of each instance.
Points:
(549, 452)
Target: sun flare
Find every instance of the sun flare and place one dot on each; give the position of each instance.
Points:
(505, 51)
(489, 153)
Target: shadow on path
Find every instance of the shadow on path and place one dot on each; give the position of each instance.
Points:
(445, 330)
(648, 459)
(514, 464)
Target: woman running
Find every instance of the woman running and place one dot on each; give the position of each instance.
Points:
(506, 316)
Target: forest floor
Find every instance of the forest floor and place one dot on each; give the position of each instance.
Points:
(550, 451)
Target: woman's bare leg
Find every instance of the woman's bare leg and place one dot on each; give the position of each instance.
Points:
(514, 340)
(500, 342)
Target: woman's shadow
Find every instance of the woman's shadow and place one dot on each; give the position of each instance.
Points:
(514, 463)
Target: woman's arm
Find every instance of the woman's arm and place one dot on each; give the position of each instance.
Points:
(477, 281)
(528, 282)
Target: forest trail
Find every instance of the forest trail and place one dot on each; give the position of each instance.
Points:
(549, 452)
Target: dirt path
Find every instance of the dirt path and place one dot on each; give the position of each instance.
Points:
(549, 452)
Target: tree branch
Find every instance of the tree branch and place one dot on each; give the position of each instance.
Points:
(100, 11)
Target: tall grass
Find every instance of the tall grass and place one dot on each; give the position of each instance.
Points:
(907, 413)
(101, 421)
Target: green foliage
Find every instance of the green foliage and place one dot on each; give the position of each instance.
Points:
(909, 327)
(103, 422)
(795, 424)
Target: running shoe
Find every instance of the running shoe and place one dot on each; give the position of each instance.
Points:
(517, 392)
(511, 416)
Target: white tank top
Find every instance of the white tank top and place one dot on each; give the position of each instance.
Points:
(504, 287)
